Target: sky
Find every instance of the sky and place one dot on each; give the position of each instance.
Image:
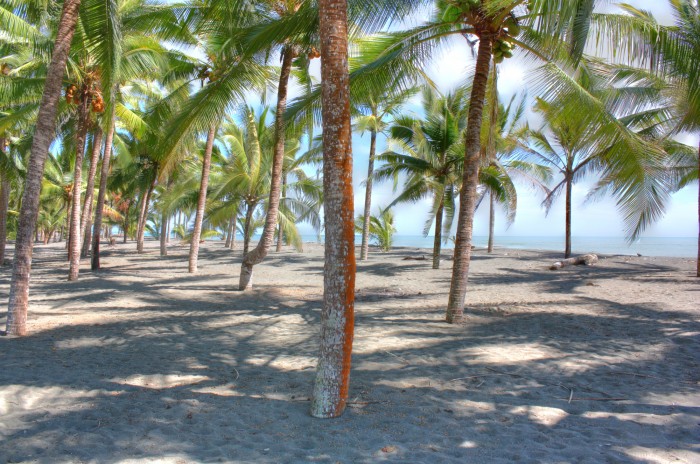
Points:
(598, 218)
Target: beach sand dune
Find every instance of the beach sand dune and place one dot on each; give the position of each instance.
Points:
(143, 362)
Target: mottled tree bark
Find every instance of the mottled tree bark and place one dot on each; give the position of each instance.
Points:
(202, 201)
(368, 196)
(470, 180)
(86, 219)
(437, 243)
(76, 211)
(492, 221)
(163, 233)
(44, 132)
(227, 243)
(101, 195)
(257, 255)
(697, 264)
(332, 382)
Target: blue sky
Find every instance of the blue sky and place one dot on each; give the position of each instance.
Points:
(599, 218)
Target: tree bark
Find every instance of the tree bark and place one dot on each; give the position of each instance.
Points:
(90, 192)
(567, 249)
(234, 220)
(437, 242)
(202, 201)
(5, 187)
(332, 382)
(101, 195)
(368, 196)
(467, 198)
(227, 243)
(697, 264)
(246, 229)
(76, 212)
(44, 132)
(257, 255)
(280, 232)
(492, 221)
(163, 233)
(143, 216)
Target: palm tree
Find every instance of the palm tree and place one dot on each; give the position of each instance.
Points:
(374, 112)
(433, 154)
(43, 135)
(381, 228)
(331, 386)
(671, 81)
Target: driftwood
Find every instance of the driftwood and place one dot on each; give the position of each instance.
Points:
(586, 260)
(414, 258)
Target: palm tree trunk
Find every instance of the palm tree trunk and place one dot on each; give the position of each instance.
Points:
(163, 233)
(76, 212)
(234, 220)
(280, 233)
(698, 261)
(44, 132)
(492, 221)
(227, 244)
(437, 243)
(202, 201)
(126, 224)
(467, 198)
(567, 250)
(368, 197)
(257, 255)
(89, 193)
(143, 216)
(332, 382)
(5, 187)
(101, 194)
(246, 229)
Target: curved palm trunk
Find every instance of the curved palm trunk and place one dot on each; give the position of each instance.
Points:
(101, 194)
(76, 211)
(437, 243)
(257, 255)
(246, 229)
(492, 221)
(368, 197)
(43, 135)
(234, 220)
(86, 218)
(202, 201)
(5, 187)
(227, 244)
(143, 216)
(467, 198)
(280, 232)
(332, 382)
(567, 250)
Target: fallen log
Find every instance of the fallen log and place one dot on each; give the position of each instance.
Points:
(415, 258)
(585, 260)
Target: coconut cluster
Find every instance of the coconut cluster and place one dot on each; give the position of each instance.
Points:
(73, 96)
(314, 53)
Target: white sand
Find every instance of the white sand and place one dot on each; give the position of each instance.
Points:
(145, 363)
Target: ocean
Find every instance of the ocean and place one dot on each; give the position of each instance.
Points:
(681, 247)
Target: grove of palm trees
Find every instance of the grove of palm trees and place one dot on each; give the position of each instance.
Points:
(206, 211)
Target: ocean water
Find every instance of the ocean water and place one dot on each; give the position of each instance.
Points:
(681, 247)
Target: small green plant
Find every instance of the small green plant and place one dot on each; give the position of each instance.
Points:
(381, 228)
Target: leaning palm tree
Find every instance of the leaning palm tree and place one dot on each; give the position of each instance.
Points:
(43, 135)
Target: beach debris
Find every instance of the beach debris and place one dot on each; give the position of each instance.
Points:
(586, 260)
(415, 258)
(389, 449)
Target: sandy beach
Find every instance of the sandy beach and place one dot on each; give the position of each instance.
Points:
(143, 362)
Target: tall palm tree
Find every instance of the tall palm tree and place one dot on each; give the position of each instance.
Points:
(43, 135)
(671, 80)
(432, 154)
(331, 386)
(374, 112)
